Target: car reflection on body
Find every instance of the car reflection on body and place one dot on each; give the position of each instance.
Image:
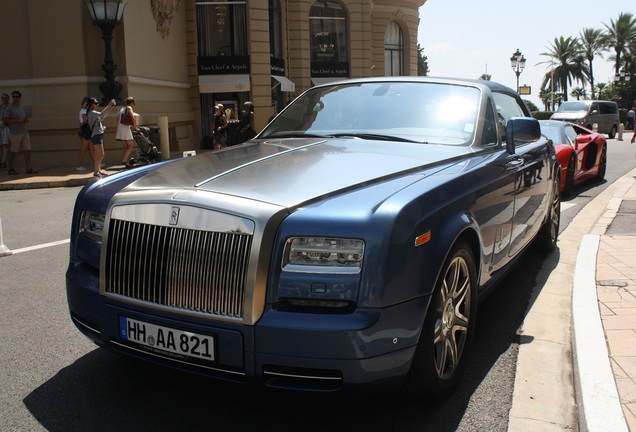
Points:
(581, 152)
(345, 247)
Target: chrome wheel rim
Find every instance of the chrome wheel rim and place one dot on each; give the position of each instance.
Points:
(453, 318)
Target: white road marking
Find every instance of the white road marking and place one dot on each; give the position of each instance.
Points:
(41, 246)
(566, 205)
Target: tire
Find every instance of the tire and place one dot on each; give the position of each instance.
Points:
(569, 177)
(602, 167)
(548, 234)
(612, 133)
(448, 328)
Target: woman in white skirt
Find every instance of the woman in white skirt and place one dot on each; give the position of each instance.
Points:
(125, 125)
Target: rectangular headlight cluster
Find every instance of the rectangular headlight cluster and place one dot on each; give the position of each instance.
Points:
(92, 225)
(323, 255)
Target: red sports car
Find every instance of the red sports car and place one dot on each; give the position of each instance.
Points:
(581, 152)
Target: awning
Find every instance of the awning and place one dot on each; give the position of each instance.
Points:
(318, 81)
(224, 83)
(286, 85)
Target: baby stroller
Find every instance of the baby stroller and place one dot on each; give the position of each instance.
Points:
(147, 152)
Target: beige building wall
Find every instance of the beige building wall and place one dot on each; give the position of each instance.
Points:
(56, 56)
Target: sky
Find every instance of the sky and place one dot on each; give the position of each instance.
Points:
(467, 38)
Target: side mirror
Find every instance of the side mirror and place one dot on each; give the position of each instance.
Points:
(521, 130)
(594, 112)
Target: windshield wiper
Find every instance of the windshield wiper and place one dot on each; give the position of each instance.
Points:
(379, 137)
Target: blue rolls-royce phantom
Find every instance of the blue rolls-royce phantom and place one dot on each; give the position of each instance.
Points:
(345, 247)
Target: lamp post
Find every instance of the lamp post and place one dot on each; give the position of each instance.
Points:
(620, 79)
(518, 63)
(107, 15)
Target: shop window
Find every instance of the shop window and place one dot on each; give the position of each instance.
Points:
(328, 32)
(393, 50)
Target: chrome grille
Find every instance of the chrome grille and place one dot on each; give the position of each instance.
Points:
(187, 269)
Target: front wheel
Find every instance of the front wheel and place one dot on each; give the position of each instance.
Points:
(612, 133)
(569, 177)
(602, 167)
(440, 356)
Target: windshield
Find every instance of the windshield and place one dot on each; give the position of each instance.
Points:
(573, 107)
(403, 111)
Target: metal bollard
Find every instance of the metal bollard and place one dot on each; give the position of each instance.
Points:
(595, 127)
(621, 128)
(4, 251)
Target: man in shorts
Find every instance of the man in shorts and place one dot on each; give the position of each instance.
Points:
(15, 117)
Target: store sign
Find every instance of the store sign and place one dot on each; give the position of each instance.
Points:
(278, 66)
(330, 69)
(223, 65)
(525, 90)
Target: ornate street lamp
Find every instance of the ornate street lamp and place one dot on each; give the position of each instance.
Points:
(107, 15)
(518, 63)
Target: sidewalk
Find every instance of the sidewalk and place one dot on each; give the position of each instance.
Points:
(576, 368)
(611, 246)
(50, 177)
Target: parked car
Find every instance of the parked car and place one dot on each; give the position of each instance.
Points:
(344, 248)
(581, 152)
(587, 113)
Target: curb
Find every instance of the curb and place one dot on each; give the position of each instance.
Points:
(596, 392)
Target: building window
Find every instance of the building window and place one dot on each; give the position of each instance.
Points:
(222, 28)
(328, 32)
(275, 30)
(393, 50)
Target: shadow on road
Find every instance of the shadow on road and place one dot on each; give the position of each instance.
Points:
(102, 391)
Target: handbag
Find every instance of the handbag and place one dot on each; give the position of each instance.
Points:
(85, 131)
(126, 119)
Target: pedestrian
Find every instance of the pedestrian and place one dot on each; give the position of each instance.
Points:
(126, 124)
(15, 116)
(630, 119)
(4, 133)
(96, 122)
(85, 144)
(220, 124)
(247, 131)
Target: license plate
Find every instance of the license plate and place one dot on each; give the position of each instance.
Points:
(164, 340)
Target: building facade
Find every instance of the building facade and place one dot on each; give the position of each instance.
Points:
(179, 58)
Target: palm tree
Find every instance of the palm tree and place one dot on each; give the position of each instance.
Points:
(567, 64)
(592, 45)
(620, 34)
(485, 77)
(579, 92)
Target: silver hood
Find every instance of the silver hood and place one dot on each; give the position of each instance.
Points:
(289, 172)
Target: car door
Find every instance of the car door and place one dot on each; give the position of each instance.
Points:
(531, 184)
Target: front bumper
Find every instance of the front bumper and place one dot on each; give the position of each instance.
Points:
(285, 350)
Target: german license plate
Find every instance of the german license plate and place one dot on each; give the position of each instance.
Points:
(164, 340)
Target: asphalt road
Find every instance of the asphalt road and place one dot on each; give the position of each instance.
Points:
(52, 378)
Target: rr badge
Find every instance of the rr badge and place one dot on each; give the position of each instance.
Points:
(174, 216)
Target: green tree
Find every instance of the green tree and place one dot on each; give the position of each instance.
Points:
(592, 45)
(620, 34)
(579, 92)
(422, 62)
(485, 77)
(531, 106)
(567, 64)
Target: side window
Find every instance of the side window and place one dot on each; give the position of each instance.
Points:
(491, 133)
(594, 108)
(507, 107)
(570, 134)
